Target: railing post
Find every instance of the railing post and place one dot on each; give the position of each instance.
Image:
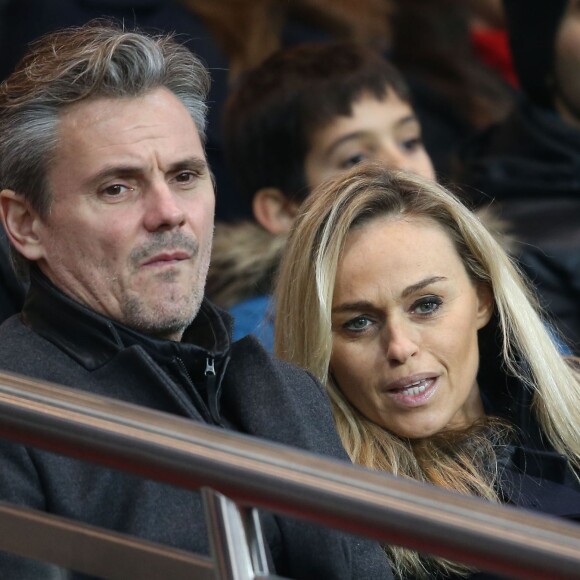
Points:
(256, 543)
(236, 539)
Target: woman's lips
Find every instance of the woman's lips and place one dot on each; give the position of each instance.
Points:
(413, 393)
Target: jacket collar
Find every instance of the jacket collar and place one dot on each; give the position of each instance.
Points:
(93, 339)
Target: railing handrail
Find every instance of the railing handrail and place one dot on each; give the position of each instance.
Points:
(94, 551)
(287, 481)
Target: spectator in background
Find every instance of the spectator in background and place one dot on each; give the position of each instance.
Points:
(437, 362)
(307, 113)
(108, 201)
(529, 164)
(456, 94)
(249, 31)
(489, 37)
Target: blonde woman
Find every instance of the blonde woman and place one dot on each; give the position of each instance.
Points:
(432, 349)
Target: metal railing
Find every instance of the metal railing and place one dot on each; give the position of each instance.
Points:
(254, 473)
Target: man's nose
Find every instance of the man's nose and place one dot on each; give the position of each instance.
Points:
(163, 209)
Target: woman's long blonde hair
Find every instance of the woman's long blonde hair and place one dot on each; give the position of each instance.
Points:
(460, 461)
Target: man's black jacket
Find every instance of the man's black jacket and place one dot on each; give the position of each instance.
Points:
(58, 340)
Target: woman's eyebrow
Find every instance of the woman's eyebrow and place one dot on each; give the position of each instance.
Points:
(352, 306)
(422, 284)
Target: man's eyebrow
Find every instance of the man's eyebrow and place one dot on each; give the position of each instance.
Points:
(197, 163)
(128, 170)
(361, 305)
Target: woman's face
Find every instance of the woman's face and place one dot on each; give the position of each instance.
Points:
(405, 317)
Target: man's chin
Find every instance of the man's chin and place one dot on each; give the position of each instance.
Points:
(162, 319)
(170, 328)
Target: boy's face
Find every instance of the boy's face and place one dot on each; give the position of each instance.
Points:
(385, 131)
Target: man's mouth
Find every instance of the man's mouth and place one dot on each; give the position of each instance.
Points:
(167, 258)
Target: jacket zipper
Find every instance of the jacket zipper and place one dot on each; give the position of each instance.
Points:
(212, 395)
(200, 403)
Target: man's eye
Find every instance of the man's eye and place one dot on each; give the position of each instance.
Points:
(427, 305)
(185, 177)
(116, 190)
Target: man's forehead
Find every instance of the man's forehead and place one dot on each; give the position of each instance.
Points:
(118, 121)
(108, 110)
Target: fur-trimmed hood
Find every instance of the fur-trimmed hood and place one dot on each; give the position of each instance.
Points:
(244, 261)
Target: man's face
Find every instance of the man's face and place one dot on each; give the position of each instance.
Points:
(130, 228)
(567, 65)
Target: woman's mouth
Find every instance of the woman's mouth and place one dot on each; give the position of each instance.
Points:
(415, 393)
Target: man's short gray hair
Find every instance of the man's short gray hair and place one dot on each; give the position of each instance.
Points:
(99, 59)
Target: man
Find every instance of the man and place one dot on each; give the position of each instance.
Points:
(529, 163)
(108, 203)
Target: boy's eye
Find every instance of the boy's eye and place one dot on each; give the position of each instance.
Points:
(353, 160)
(412, 144)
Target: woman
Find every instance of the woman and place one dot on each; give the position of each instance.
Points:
(435, 357)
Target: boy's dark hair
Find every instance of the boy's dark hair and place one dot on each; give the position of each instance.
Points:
(274, 109)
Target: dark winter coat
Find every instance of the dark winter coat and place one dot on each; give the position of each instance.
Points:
(58, 340)
(536, 476)
(11, 290)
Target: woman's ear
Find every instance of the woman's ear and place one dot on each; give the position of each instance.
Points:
(486, 305)
(21, 223)
(273, 211)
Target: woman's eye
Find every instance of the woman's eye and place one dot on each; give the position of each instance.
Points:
(357, 324)
(427, 305)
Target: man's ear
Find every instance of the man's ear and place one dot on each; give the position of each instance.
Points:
(21, 223)
(486, 305)
(273, 211)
